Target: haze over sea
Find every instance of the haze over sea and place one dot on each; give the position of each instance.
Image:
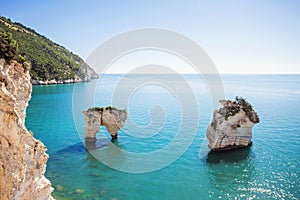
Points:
(268, 169)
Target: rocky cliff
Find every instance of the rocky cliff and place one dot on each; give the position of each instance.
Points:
(22, 158)
(231, 126)
(112, 118)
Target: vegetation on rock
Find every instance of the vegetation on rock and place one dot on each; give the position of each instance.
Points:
(9, 50)
(230, 108)
(49, 60)
(8, 46)
(101, 109)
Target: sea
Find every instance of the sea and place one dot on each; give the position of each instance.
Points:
(161, 152)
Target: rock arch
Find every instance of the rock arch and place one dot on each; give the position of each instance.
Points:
(110, 117)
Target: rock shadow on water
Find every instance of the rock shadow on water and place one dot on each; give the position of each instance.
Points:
(73, 149)
(91, 145)
(77, 150)
(81, 148)
(229, 156)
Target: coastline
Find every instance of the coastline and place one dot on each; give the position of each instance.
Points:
(55, 82)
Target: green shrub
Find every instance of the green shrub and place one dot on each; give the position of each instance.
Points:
(232, 107)
(22, 58)
(101, 109)
(247, 107)
(27, 65)
(8, 46)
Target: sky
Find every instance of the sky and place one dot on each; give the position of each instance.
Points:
(239, 36)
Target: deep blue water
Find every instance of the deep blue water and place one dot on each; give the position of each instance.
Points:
(268, 169)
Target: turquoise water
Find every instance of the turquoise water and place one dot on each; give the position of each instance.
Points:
(268, 169)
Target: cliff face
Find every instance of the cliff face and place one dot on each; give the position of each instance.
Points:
(231, 126)
(22, 158)
(113, 119)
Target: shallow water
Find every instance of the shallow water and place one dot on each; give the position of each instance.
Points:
(268, 169)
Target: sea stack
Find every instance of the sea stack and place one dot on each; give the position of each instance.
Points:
(231, 126)
(22, 157)
(110, 117)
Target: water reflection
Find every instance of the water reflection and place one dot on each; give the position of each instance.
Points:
(229, 156)
(229, 172)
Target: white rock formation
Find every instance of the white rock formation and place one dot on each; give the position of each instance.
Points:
(231, 126)
(113, 119)
(22, 158)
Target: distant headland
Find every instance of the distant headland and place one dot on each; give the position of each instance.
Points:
(51, 63)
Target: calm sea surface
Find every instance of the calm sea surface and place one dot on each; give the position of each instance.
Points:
(269, 169)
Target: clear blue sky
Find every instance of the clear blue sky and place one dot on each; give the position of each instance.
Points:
(240, 36)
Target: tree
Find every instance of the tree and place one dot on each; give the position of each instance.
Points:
(8, 46)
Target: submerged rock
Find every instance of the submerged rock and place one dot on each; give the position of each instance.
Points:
(112, 118)
(95, 174)
(59, 188)
(231, 126)
(79, 191)
(22, 157)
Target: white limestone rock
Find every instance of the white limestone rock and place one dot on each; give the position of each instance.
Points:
(231, 126)
(112, 118)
